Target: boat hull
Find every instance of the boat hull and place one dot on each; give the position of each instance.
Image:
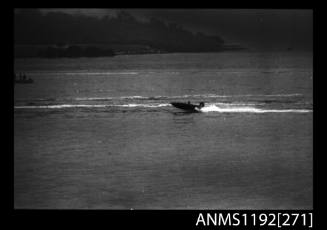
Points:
(185, 106)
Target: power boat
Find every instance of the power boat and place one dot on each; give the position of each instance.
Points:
(188, 106)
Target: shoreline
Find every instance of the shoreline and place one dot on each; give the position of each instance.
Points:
(38, 51)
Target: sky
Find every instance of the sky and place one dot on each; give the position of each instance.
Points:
(253, 28)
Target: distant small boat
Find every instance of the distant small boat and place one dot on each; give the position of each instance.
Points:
(188, 106)
(24, 81)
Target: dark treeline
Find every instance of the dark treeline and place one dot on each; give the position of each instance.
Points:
(31, 27)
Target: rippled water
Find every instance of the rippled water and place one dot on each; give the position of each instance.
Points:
(101, 133)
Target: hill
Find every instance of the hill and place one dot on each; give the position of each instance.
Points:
(32, 28)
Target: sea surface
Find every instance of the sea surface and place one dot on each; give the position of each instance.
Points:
(100, 133)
